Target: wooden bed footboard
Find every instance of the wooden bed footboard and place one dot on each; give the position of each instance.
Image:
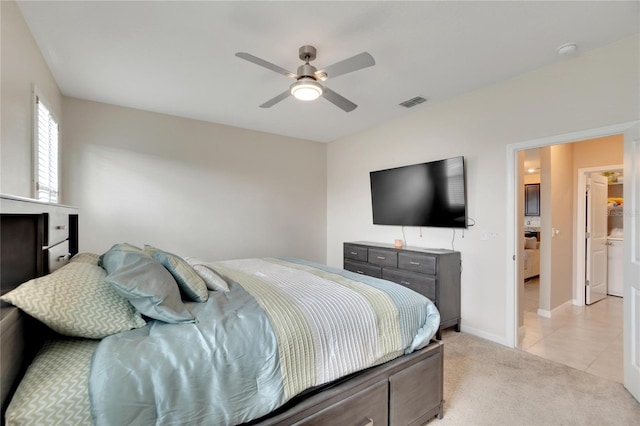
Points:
(406, 391)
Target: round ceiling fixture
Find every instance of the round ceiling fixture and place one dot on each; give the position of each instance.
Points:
(567, 49)
(306, 89)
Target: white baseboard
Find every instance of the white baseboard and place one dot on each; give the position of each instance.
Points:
(549, 314)
(544, 313)
(484, 335)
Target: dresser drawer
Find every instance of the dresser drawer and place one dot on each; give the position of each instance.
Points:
(383, 257)
(367, 407)
(363, 268)
(56, 256)
(422, 284)
(57, 227)
(417, 262)
(355, 252)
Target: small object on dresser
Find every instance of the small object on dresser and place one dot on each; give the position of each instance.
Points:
(398, 244)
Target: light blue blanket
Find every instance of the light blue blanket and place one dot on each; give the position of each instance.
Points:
(284, 326)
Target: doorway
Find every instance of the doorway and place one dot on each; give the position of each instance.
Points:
(515, 288)
(614, 226)
(555, 326)
(587, 338)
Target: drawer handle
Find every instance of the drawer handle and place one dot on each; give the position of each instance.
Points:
(381, 257)
(368, 422)
(355, 253)
(414, 263)
(405, 282)
(61, 227)
(359, 272)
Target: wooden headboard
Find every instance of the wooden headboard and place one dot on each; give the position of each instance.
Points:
(35, 239)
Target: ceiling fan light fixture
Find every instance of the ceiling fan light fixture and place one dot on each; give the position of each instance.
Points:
(306, 89)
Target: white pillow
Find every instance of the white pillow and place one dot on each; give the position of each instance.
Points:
(206, 270)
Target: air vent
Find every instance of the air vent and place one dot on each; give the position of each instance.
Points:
(413, 102)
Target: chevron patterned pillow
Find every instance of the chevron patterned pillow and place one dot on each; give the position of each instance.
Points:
(86, 258)
(76, 301)
(54, 389)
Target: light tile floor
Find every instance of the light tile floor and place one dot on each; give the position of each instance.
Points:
(588, 338)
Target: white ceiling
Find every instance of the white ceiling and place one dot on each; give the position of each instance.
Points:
(178, 57)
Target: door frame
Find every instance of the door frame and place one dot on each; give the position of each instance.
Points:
(579, 290)
(512, 233)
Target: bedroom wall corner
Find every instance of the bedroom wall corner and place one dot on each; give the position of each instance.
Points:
(192, 187)
(21, 66)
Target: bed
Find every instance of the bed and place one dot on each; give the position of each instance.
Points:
(171, 364)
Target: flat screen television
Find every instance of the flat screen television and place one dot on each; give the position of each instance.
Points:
(430, 194)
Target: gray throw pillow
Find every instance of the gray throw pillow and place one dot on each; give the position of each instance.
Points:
(147, 285)
(113, 258)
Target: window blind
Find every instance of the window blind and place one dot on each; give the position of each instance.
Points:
(47, 154)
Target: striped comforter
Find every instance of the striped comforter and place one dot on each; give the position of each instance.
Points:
(285, 326)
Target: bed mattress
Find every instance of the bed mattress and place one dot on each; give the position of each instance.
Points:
(285, 326)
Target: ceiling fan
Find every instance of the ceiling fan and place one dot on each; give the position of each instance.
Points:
(307, 86)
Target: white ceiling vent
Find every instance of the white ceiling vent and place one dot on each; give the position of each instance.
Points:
(413, 102)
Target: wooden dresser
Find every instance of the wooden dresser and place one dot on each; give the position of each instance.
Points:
(434, 273)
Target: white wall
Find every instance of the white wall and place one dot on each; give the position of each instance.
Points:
(191, 187)
(595, 89)
(21, 66)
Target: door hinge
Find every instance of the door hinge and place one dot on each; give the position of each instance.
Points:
(586, 282)
(588, 188)
(587, 235)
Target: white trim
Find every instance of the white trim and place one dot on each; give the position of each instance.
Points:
(579, 264)
(511, 317)
(512, 325)
(631, 310)
(544, 313)
(549, 314)
(484, 335)
(599, 132)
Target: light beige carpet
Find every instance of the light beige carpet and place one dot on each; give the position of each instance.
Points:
(488, 384)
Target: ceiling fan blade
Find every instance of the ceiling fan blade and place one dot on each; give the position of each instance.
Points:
(271, 102)
(338, 100)
(354, 63)
(249, 57)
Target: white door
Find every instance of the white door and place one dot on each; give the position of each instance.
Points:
(596, 264)
(631, 317)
